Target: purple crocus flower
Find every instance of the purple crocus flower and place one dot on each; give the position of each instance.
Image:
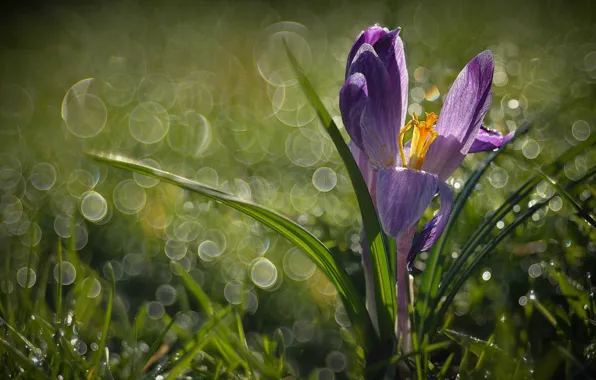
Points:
(403, 178)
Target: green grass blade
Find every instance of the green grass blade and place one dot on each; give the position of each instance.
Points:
(240, 329)
(384, 282)
(434, 269)
(33, 370)
(577, 297)
(569, 199)
(107, 319)
(195, 289)
(158, 342)
(193, 348)
(292, 231)
(483, 231)
(461, 277)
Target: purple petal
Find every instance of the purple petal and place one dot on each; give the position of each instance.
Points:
(465, 106)
(488, 139)
(379, 125)
(369, 36)
(390, 49)
(370, 176)
(402, 196)
(352, 100)
(433, 229)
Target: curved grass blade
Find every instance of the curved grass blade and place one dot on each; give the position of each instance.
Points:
(107, 319)
(33, 370)
(147, 360)
(487, 350)
(195, 289)
(462, 277)
(434, 269)
(574, 293)
(198, 343)
(569, 199)
(384, 282)
(295, 233)
(485, 228)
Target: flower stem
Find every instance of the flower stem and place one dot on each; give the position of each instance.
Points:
(404, 244)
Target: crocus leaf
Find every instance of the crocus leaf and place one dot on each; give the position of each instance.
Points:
(384, 283)
(295, 233)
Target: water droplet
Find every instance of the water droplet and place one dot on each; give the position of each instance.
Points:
(69, 273)
(263, 273)
(43, 176)
(324, 179)
(166, 294)
(297, 265)
(129, 197)
(535, 270)
(85, 114)
(26, 277)
(149, 123)
(93, 206)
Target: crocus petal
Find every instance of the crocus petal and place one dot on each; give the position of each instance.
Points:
(390, 49)
(465, 106)
(402, 196)
(352, 100)
(369, 36)
(488, 139)
(370, 176)
(379, 126)
(433, 229)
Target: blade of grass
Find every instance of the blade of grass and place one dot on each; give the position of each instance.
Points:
(462, 277)
(107, 318)
(155, 346)
(445, 366)
(569, 199)
(26, 341)
(281, 346)
(193, 348)
(292, 231)
(432, 274)
(384, 283)
(240, 330)
(32, 369)
(195, 289)
(571, 359)
(485, 228)
(59, 286)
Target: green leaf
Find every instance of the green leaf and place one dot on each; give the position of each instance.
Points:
(488, 351)
(106, 324)
(574, 293)
(32, 369)
(432, 291)
(195, 289)
(569, 199)
(434, 269)
(451, 289)
(194, 347)
(384, 282)
(295, 233)
(158, 342)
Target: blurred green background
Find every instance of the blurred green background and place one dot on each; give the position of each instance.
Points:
(203, 89)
